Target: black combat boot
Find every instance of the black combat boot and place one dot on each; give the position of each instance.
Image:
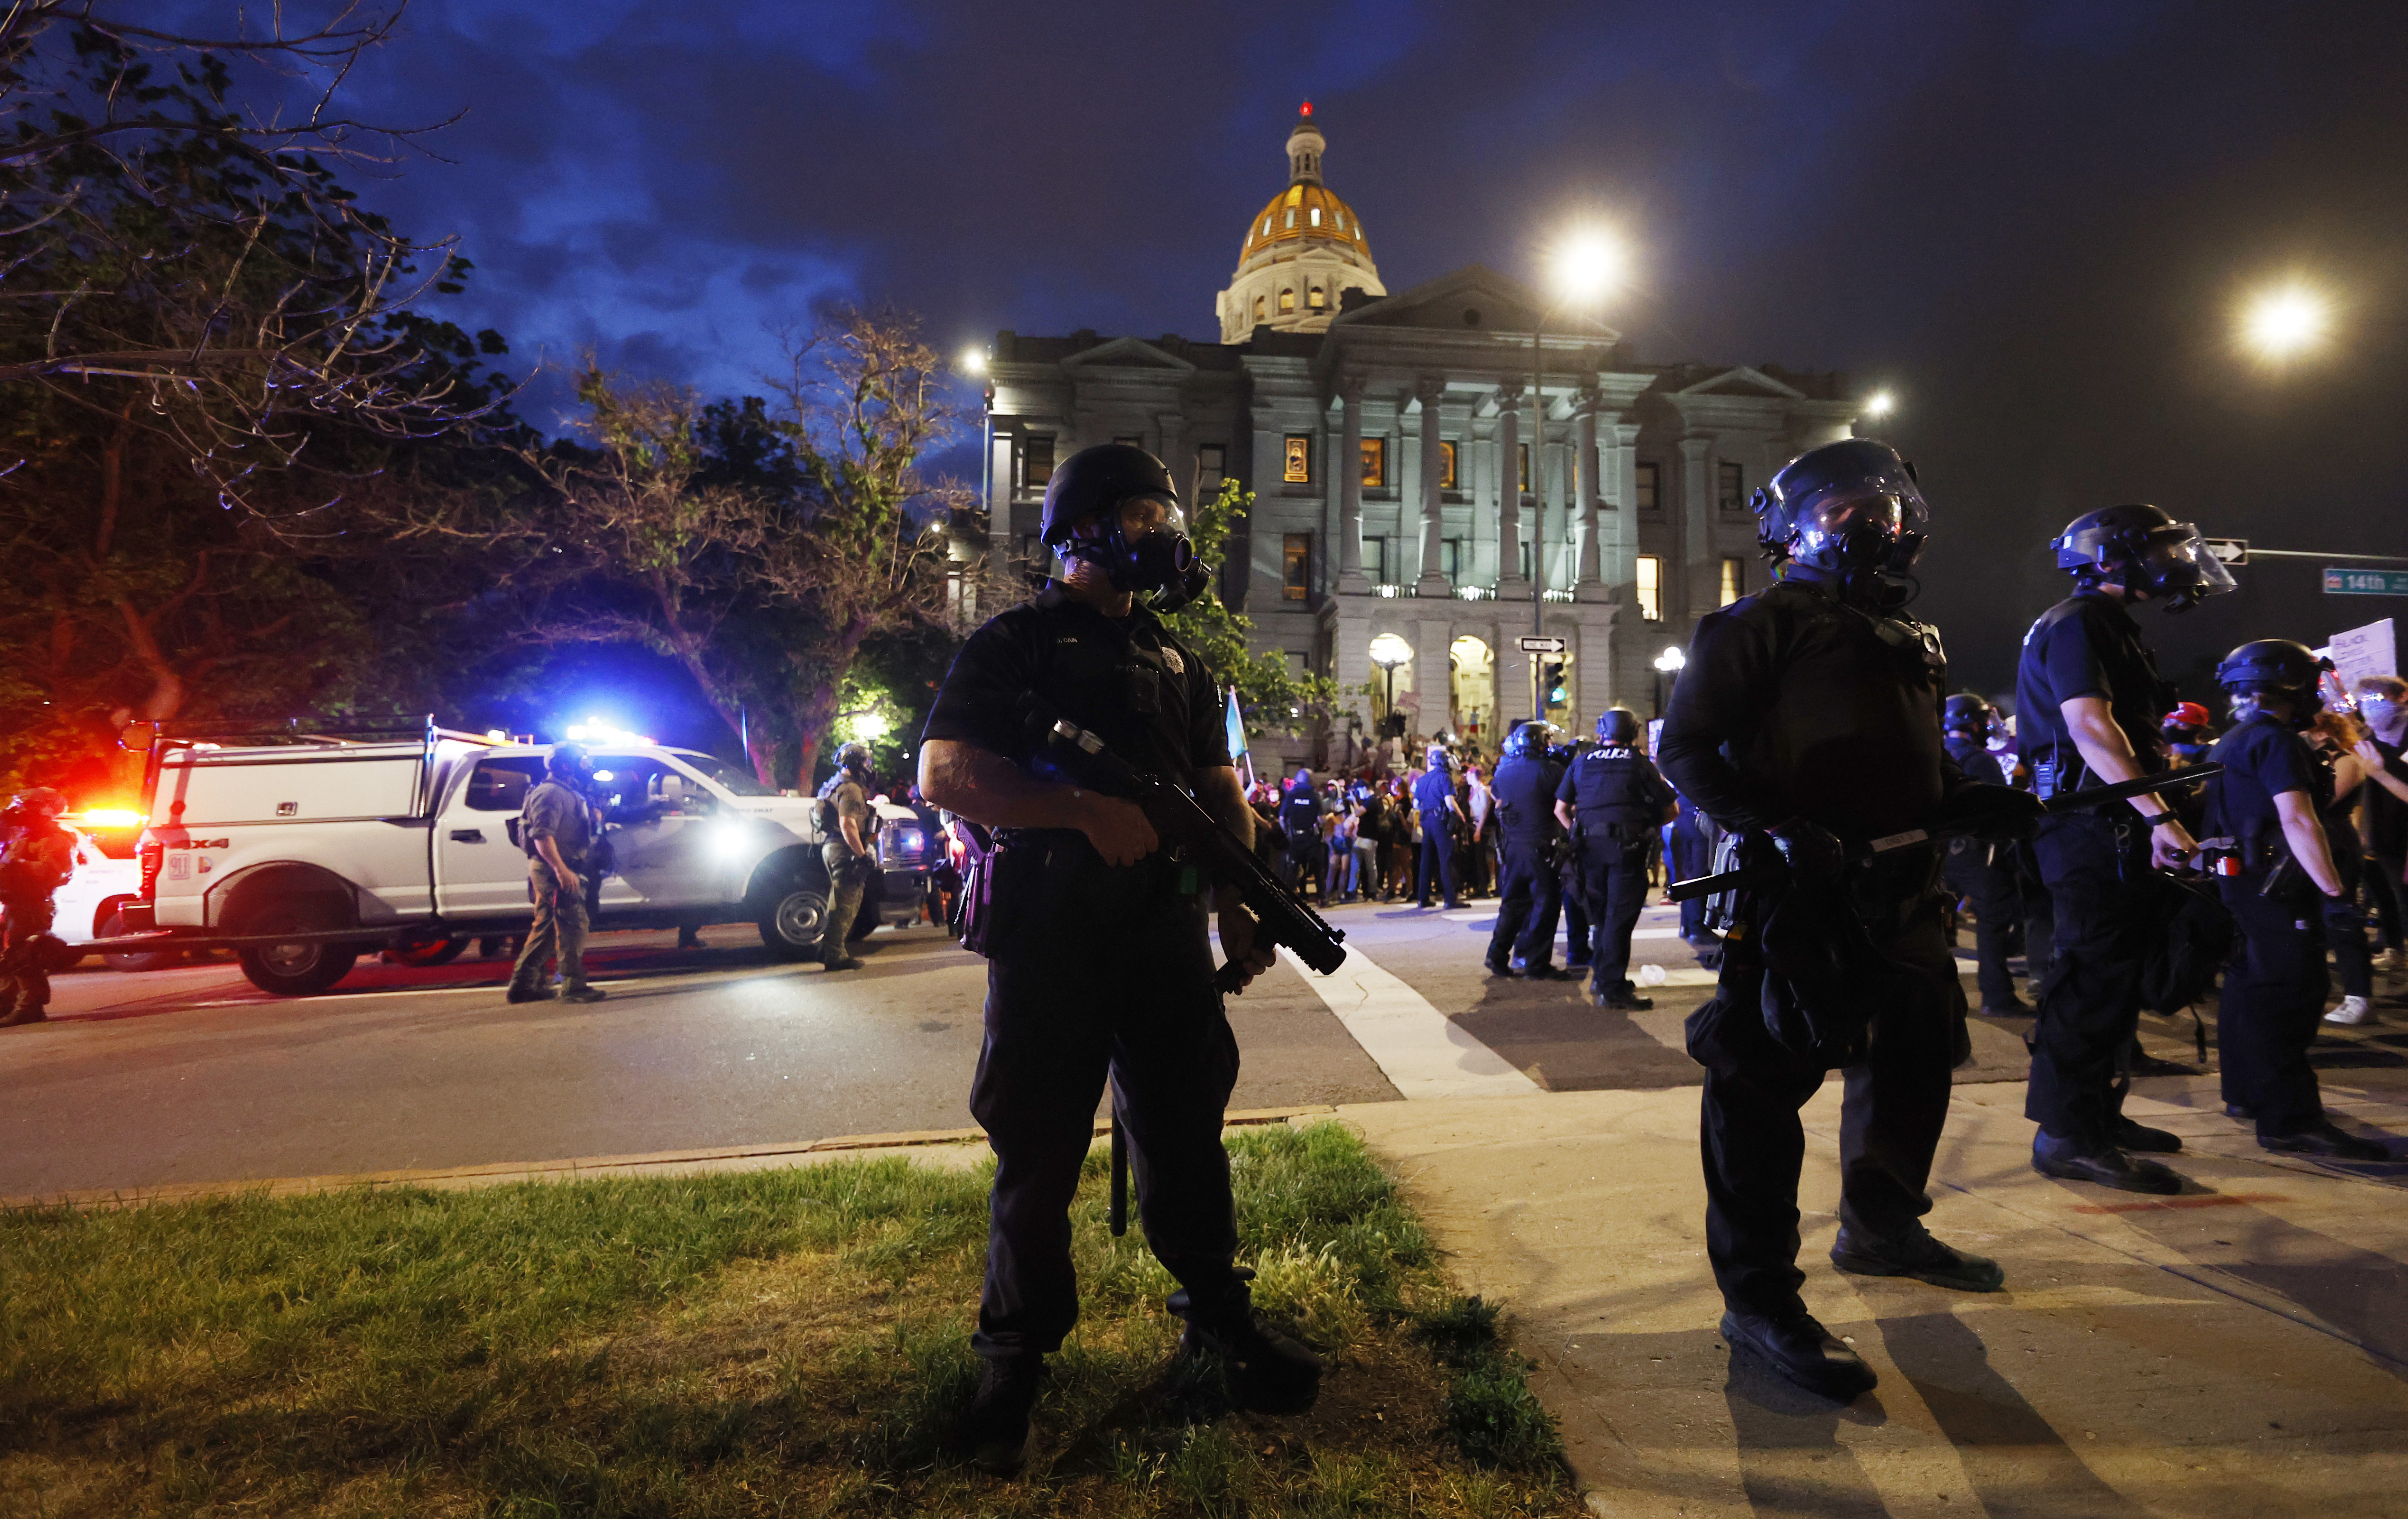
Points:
(995, 1428)
(1919, 1256)
(1269, 1372)
(2106, 1166)
(1798, 1348)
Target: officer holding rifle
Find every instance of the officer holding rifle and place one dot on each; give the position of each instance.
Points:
(1808, 722)
(1095, 938)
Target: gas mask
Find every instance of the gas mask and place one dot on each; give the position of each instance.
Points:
(1158, 563)
(1861, 541)
(2249, 704)
(2174, 566)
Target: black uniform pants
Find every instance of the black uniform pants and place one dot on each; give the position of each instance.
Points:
(24, 979)
(1892, 1108)
(1438, 857)
(1613, 879)
(1530, 898)
(1578, 948)
(2273, 998)
(2097, 871)
(1991, 891)
(1066, 1004)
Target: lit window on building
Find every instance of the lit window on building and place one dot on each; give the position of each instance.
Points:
(1651, 588)
(1296, 567)
(1734, 579)
(1287, 300)
(1291, 216)
(1212, 468)
(1375, 463)
(1259, 310)
(1644, 488)
(1338, 219)
(1730, 487)
(1316, 298)
(1314, 216)
(1446, 466)
(1524, 459)
(1035, 460)
(1297, 469)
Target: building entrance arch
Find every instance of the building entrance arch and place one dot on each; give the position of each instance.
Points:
(1472, 697)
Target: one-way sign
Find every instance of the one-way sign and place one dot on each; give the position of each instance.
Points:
(1542, 646)
(2231, 552)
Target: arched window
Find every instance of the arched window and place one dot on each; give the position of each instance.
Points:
(1287, 300)
(1316, 298)
(1258, 308)
(1314, 216)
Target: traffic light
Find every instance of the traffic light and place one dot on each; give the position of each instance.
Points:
(1550, 681)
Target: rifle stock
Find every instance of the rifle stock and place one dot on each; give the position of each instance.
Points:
(1180, 821)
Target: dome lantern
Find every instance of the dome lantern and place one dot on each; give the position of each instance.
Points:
(1304, 145)
(1303, 254)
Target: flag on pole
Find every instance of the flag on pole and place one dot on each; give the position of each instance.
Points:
(1237, 723)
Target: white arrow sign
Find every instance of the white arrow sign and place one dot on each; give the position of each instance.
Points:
(1542, 646)
(2228, 551)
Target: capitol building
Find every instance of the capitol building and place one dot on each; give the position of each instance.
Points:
(1401, 486)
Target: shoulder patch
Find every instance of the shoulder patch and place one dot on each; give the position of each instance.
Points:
(1170, 660)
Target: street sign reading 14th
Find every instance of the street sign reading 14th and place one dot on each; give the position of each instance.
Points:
(2366, 583)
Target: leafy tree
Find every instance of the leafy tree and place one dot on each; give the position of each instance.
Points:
(1271, 693)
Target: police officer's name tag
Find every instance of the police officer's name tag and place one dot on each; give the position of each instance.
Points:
(1898, 841)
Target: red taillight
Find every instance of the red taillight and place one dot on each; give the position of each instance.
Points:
(151, 857)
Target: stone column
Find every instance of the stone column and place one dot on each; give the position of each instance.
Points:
(1351, 579)
(1697, 572)
(1621, 471)
(1433, 582)
(1509, 493)
(1587, 581)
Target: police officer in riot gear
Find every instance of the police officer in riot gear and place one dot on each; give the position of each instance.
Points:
(848, 824)
(1614, 801)
(1529, 894)
(1977, 871)
(1578, 940)
(1806, 722)
(2266, 802)
(1098, 957)
(38, 859)
(2089, 704)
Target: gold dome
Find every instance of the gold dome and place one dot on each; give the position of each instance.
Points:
(1306, 214)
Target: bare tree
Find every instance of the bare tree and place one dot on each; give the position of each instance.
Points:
(181, 233)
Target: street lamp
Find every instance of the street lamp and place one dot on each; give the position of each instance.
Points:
(1880, 404)
(2285, 321)
(1388, 651)
(1669, 666)
(1585, 267)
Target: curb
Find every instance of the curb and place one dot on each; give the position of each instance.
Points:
(660, 1163)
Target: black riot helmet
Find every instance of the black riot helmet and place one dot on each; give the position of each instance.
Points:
(1617, 725)
(1969, 712)
(2143, 549)
(852, 756)
(570, 763)
(1849, 511)
(2275, 669)
(1528, 739)
(1082, 506)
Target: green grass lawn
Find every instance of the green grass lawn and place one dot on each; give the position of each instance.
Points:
(787, 1342)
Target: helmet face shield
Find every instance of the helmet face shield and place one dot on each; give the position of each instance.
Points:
(2177, 568)
(1851, 507)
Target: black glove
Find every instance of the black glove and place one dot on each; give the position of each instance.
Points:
(1814, 852)
(1992, 812)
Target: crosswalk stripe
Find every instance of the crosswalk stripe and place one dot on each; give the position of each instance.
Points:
(1422, 1052)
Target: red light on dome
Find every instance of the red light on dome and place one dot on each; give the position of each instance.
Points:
(1306, 110)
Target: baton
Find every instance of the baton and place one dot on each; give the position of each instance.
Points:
(2071, 801)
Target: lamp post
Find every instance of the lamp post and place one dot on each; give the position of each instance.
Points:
(1669, 666)
(1584, 267)
(1388, 651)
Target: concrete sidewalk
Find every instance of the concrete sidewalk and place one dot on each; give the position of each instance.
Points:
(2239, 1350)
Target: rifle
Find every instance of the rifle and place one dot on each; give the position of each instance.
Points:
(1183, 824)
(2071, 801)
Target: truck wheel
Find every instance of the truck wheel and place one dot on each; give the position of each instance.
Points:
(112, 927)
(298, 969)
(792, 926)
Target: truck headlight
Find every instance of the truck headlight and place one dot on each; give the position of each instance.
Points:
(731, 838)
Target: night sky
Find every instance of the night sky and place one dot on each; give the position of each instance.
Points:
(2032, 221)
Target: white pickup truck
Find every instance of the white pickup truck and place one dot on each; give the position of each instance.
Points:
(351, 847)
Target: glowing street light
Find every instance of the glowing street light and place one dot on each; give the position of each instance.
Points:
(973, 361)
(1388, 651)
(1880, 404)
(2285, 321)
(1587, 266)
(1673, 661)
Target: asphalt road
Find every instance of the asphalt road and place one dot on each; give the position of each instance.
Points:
(191, 1075)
